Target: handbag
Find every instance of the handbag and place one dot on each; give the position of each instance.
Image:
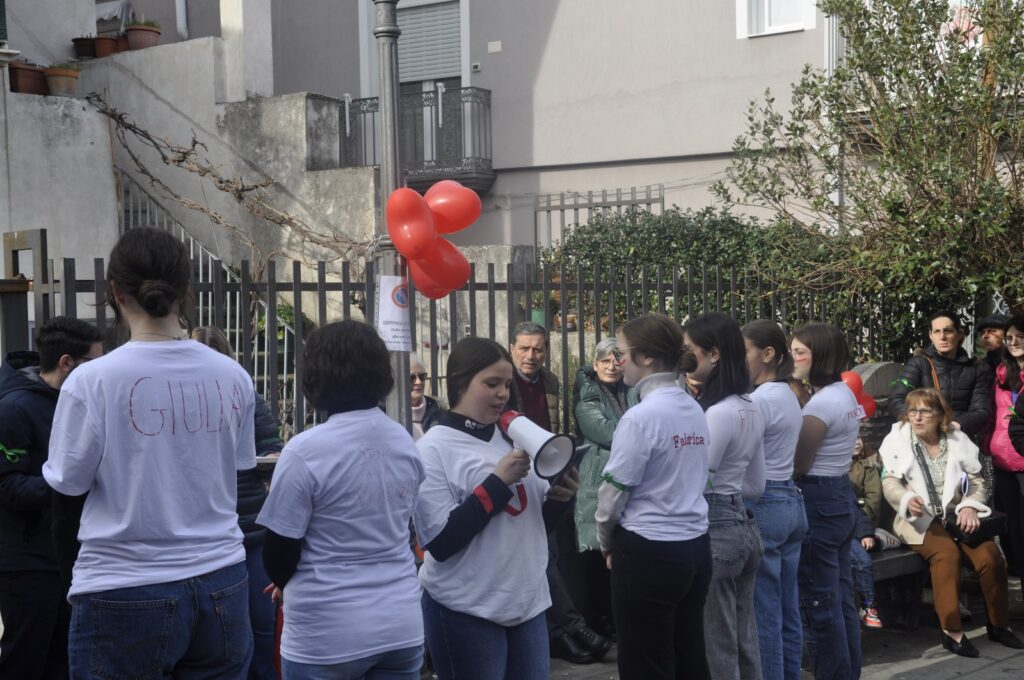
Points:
(988, 527)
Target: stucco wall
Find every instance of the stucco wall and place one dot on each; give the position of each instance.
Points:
(42, 29)
(605, 80)
(55, 174)
(316, 47)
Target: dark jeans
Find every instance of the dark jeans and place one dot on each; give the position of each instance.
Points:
(827, 608)
(35, 615)
(658, 592)
(1009, 498)
(562, 616)
(262, 616)
(195, 628)
(863, 573)
(464, 646)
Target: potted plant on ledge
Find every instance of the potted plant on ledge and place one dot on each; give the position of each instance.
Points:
(62, 80)
(142, 34)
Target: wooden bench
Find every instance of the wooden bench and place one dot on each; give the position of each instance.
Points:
(899, 584)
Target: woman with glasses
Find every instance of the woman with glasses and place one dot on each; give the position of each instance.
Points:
(1008, 463)
(932, 476)
(821, 465)
(424, 409)
(652, 519)
(964, 383)
(600, 398)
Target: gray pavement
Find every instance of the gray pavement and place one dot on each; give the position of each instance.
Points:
(889, 654)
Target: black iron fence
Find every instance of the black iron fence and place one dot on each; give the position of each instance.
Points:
(578, 307)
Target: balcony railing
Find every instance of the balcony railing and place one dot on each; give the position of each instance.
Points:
(442, 135)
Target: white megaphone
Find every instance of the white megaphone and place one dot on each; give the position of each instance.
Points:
(551, 453)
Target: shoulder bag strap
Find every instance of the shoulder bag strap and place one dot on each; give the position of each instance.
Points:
(933, 496)
(935, 374)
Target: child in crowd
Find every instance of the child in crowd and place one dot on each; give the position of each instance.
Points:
(866, 478)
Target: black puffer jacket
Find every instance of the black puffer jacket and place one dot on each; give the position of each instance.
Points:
(965, 383)
(252, 493)
(26, 415)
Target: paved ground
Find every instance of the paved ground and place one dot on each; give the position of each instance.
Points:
(889, 654)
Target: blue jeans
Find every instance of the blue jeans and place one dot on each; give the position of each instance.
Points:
(262, 616)
(464, 646)
(730, 626)
(195, 628)
(863, 573)
(398, 664)
(783, 524)
(827, 608)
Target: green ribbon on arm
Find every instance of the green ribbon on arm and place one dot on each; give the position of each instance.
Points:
(906, 383)
(12, 455)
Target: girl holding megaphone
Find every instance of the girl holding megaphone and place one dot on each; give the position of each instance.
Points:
(481, 516)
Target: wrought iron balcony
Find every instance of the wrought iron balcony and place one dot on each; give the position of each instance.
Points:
(442, 135)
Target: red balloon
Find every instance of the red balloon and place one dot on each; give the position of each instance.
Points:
(424, 284)
(454, 206)
(445, 265)
(854, 382)
(869, 405)
(410, 223)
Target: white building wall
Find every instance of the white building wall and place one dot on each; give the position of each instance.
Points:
(42, 30)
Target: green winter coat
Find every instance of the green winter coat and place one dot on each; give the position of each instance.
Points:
(597, 414)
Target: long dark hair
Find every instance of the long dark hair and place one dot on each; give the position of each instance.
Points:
(469, 357)
(154, 268)
(763, 334)
(1012, 380)
(830, 353)
(655, 336)
(730, 375)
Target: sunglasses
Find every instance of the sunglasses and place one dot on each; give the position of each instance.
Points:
(422, 377)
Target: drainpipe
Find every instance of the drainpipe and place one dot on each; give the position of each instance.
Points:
(181, 12)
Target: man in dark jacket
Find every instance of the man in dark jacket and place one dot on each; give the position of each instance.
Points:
(965, 384)
(991, 332)
(33, 595)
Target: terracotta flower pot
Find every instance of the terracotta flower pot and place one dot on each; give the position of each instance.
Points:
(141, 37)
(122, 42)
(85, 47)
(27, 78)
(63, 82)
(105, 46)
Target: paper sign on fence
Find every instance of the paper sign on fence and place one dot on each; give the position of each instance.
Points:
(392, 317)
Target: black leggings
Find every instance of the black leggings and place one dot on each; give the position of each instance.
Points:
(1009, 498)
(658, 591)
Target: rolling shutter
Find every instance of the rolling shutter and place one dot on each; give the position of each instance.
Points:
(430, 45)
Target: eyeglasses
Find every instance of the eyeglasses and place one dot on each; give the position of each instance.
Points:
(923, 412)
(422, 377)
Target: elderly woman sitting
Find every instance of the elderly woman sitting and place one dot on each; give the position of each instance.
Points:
(932, 475)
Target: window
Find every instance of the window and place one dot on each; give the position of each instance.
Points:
(761, 17)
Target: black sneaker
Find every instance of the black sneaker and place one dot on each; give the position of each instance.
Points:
(1004, 636)
(564, 646)
(597, 645)
(962, 648)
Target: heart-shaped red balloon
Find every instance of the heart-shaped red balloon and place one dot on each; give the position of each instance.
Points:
(854, 382)
(410, 223)
(424, 284)
(869, 404)
(445, 265)
(454, 206)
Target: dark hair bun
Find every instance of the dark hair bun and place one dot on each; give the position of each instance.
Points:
(156, 297)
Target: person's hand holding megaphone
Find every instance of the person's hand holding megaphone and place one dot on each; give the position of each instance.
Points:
(513, 466)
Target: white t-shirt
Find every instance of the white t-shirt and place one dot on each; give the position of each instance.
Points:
(736, 453)
(835, 406)
(347, 488)
(660, 454)
(500, 575)
(782, 421)
(155, 433)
